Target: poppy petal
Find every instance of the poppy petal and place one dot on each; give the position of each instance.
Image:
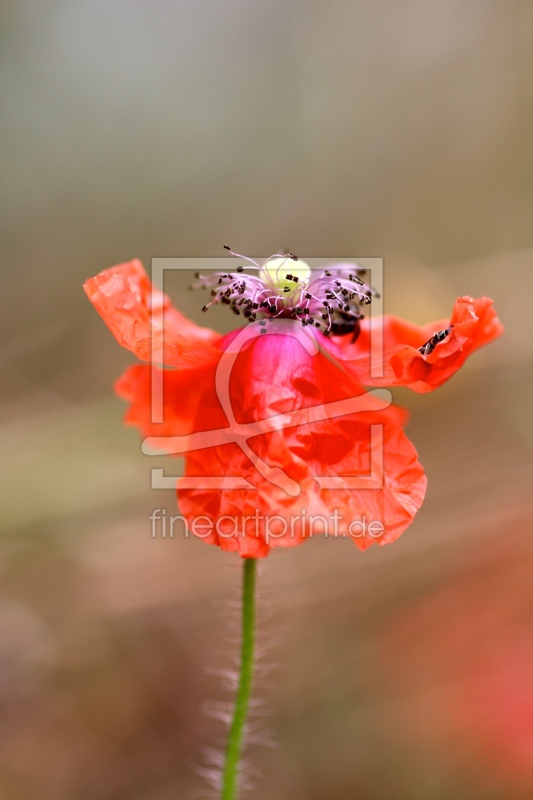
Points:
(274, 376)
(473, 323)
(255, 520)
(142, 319)
(177, 394)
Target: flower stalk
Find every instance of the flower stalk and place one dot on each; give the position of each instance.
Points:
(234, 747)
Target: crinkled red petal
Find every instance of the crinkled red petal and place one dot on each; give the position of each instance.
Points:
(143, 320)
(274, 375)
(475, 323)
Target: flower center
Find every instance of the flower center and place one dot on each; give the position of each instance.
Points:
(284, 287)
(275, 274)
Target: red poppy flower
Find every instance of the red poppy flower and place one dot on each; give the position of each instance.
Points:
(281, 439)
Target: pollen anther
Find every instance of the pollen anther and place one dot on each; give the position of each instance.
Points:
(305, 296)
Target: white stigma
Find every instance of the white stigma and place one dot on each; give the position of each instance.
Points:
(275, 272)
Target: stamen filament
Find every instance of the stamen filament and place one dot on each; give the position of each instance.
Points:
(301, 296)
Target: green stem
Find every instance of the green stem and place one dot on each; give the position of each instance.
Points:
(230, 773)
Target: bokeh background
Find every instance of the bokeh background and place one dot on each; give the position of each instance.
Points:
(141, 129)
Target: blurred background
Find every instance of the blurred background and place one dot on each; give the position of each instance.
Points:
(142, 129)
